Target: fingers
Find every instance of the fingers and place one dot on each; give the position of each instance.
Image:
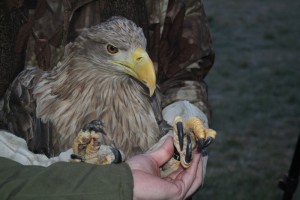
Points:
(198, 176)
(188, 180)
(192, 170)
(163, 153)
(178, 185)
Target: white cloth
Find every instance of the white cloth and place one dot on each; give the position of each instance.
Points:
(184, 109)
(16, 149)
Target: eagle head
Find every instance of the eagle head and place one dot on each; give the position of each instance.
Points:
(117, 47)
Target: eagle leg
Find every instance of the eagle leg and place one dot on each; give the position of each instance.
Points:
(204, 136)
(87, 146)
(190, 135)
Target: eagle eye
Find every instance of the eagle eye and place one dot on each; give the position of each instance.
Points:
(112, 49)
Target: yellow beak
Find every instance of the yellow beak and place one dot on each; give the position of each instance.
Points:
(142, 68)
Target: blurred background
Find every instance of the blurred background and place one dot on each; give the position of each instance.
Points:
(254, 92)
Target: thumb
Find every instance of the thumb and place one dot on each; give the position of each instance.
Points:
(164, 152)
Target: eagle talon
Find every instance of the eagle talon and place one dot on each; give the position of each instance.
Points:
(191, 135)
(208, 141)
(179, 127)
(204, 152)
(189, 150)
(201, 143)
(117, 154)
(86, 146)
(95, 125)
(76, 158)
(182, 143)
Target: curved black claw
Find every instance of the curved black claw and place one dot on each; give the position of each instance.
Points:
(95, 125)
(118, 156)
(77, 157)
(208, 141)
(188, 155)
(201, 142)
(204, 152)
(179, 127)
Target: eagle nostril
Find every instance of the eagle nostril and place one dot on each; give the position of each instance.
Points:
(139, 58)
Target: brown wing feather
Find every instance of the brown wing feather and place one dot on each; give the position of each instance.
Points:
(19, 112)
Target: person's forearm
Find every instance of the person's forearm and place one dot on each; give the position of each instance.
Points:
(65, 181)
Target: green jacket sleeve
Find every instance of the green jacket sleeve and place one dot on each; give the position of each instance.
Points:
(64, 180)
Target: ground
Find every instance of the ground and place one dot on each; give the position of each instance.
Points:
(254, 92)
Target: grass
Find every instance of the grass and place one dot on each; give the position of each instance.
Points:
(254, 91)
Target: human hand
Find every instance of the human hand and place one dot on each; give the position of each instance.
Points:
(148, 183)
